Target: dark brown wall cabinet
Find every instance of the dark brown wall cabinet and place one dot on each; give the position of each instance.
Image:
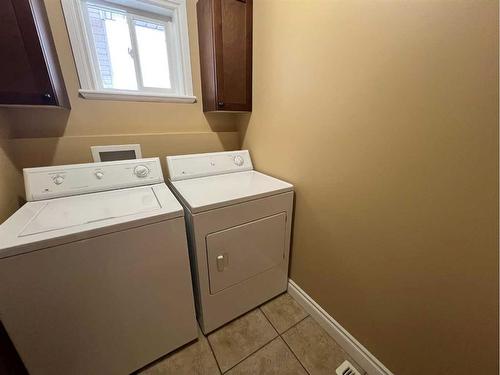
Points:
(225, 38)
(29, 69)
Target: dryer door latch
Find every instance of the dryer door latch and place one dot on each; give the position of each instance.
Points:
(222, 261)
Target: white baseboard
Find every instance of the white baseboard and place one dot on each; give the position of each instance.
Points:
(352, 346)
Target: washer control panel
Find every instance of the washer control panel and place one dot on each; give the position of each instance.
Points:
(64, 180)
(183, 167)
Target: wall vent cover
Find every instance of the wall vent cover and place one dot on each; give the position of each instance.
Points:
(346, 368)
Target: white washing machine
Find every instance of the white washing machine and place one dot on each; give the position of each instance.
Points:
(94, 269)
(239, 226)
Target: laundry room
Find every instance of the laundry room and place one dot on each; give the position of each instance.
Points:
(249, 187)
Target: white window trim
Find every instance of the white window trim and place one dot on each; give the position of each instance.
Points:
(87, 72)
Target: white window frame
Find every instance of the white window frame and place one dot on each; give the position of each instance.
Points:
(88, 71)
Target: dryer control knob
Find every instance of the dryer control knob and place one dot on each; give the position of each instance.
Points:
(58, 180)
(141, 171)
(99, 175)
(238, 160)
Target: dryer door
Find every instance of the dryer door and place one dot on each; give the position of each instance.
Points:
(239, 253)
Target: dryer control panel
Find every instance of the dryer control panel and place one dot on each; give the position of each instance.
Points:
(183, 167)
(60, 181)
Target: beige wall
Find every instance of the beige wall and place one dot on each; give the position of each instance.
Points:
(384, 114)
(10, 177)
(54, 136)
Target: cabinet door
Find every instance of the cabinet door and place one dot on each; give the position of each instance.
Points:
(27, 48)
(239, 253)
(233, 33)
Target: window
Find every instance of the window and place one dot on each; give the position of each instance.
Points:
(131, 49)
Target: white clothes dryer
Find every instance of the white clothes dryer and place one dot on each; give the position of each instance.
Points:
(239, 226)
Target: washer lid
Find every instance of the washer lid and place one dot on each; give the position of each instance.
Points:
(42, 224)
(91, 208)
(206, 193)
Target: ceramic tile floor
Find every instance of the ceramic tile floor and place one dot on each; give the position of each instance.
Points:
(278, 337)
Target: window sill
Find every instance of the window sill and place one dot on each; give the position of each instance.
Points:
(135, 96)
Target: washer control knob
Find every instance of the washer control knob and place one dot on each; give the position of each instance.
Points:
(99, 175)
(141, 171)
(58, 180)
(238, 160)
